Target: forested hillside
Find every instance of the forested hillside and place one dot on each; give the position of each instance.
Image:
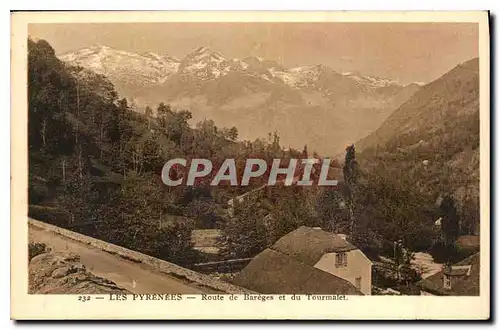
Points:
(431, 143)
(95, 165)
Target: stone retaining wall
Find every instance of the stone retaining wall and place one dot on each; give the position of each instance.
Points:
(160, 265)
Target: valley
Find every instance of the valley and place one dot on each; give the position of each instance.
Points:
(103, 122)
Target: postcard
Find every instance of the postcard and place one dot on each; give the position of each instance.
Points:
(250, 165)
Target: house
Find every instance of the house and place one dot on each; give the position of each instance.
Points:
(460, 279)
(309, 260)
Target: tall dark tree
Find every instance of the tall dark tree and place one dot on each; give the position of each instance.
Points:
(122, 132)
(233, 133)
(305, 154)
(450, 224)
(162, 113)
(351, 178)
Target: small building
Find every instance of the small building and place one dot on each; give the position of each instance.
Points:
(309, 260)
(205, 240)
(460, 279)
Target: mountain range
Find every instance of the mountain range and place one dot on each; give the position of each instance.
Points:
(307, 105)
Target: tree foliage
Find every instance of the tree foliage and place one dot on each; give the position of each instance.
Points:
(450, 225)
(244, 232)
(98, 161)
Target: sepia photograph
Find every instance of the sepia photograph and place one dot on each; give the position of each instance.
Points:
(297, 160)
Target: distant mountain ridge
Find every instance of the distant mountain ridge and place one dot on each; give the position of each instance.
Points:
(453, 95)
(204, 64)
(312, 105)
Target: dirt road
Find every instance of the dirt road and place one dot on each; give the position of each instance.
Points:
(135, 277)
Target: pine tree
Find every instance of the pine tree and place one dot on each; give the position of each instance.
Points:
(233, 133)
(162, 114)
(351, 177)
(305, 155)
(450, 225)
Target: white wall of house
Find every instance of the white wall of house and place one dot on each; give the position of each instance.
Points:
(358, 269)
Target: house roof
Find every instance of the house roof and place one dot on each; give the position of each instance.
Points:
(308, 244)
(468, 241)
(462, 285)
(272, 272)
(452, 271)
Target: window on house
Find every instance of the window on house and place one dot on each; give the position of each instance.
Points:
(446, 282)
(341, 259)
(358, 283)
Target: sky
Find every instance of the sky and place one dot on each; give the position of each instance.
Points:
(405, 52)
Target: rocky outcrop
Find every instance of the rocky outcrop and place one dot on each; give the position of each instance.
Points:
(63, 273)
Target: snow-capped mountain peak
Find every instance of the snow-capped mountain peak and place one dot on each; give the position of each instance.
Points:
(298, 77)
(202, 49)
(143, 68)
(205, 53)
(159, 57)
(370, 82)
(204, 64)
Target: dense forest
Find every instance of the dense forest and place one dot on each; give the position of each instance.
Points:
(95, 166)
(95, 163)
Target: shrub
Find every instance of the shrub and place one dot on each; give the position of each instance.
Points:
(51, 215)
(173, 243)
(449, 253)
(35, 249)
(420, 238)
